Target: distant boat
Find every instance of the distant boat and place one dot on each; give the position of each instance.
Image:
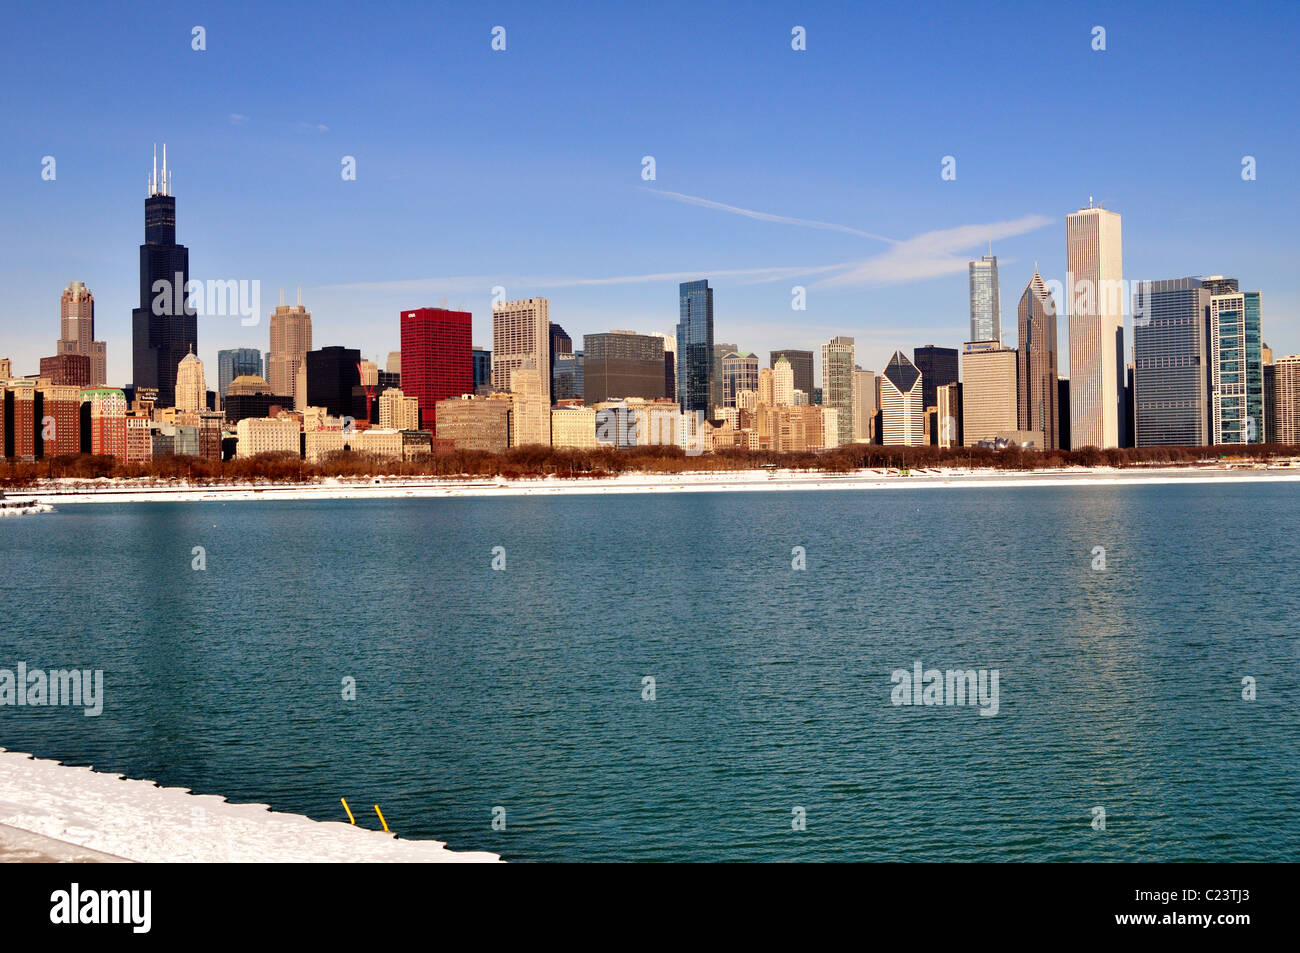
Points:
(21, 506)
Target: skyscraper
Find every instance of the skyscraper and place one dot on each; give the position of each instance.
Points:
(837, 384)
(801, 363)
(938, 367)
(290, 342)
(1036, 390)
(1236, 364)
(437, 358)
(1170, 363)
(77, 331)
(521, 332)
(864, 404)
(988, 379)
(902, 415)
(559, 343)
(1287, 406)
(482, 371)
(1270, 396)
(1094, 288)
(985, 301)
(670, 363)
(530, 395)
(237, 362)
(782, 383)
(739, 372)
(191, 385)
(332, 375)
(567, 379)
(621, 364)
(720, 350)
(695, 368)
(163, 328)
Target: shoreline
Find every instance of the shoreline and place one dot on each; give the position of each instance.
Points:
(50, 811)
(725, 481)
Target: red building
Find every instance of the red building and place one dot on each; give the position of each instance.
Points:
(70, 369)
(437, 357)
(20, 419)
(107, 434)
(60, 424)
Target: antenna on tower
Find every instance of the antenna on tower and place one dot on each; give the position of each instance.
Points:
(165, 189)
(1089, 201)
(153, 179)
(282, 297)
(300, 296)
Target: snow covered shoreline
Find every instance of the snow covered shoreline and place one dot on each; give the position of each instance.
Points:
(116, 491)
(59, 812)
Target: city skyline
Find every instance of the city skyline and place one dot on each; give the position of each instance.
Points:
(755, 221)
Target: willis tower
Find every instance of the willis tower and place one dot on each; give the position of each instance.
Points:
(164, 329)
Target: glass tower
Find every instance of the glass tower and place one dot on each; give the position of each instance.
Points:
(237, 362)
(985, 303)
(1169, 363)
(1236, 367)
(695, 346)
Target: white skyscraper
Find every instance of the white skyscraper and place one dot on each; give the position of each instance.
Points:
(1094, 291)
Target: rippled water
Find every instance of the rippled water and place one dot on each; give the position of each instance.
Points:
(523, 688)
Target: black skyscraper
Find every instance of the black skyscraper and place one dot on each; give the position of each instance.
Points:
(332, 375)
(163, 328)
(938, 367)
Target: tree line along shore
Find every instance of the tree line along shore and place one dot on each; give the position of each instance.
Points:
(535, 461)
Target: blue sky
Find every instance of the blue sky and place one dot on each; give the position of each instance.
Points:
(522, 168)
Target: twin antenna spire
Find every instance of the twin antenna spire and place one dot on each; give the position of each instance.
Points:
(161, 186)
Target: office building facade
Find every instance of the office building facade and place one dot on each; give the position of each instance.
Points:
(437, 358)
(1094, 288)
(1037, 367)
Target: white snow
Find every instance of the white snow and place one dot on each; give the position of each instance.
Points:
(138, 820)
(702, 481)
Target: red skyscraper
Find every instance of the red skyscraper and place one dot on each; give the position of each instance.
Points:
(437, 357)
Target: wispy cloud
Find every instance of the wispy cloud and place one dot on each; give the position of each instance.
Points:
(931, 254)
(238, 119)
(484, 283)
(928, 255)
(764, 216)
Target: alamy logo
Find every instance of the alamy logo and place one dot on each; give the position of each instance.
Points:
(215, 298)
(103, 906)
(922, 686)
(37, 688)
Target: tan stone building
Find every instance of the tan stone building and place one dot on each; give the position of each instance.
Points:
(476, 423)
(191, 386)
(531, 392)
(1287, 401)
(286, 361)
(573, 427)
(266, 435)
(521, 333)
(989, 392)
(397, 411)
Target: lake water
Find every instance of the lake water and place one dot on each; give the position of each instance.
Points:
(523, 688)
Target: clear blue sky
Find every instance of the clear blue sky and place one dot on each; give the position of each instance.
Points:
(522, 168)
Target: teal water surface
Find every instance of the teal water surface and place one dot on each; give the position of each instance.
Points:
(523, 688)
